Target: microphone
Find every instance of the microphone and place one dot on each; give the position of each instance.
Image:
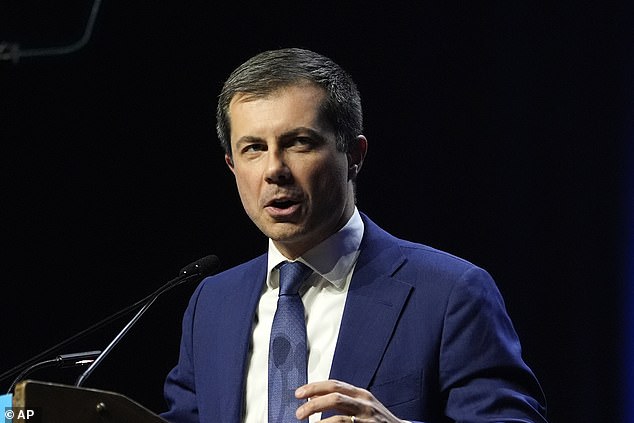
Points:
(63, 360)
(198, 269)
(203, 267)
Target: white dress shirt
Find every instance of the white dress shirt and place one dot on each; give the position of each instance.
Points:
(324, 297)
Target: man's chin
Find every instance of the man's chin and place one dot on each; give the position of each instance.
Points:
(289, 234)
(291, 240)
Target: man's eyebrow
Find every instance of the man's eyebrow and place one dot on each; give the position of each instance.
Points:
(303, 130)
(248, 139)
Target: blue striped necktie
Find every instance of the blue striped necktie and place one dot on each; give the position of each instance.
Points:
(287, 346)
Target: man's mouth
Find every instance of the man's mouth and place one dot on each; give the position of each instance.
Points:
(283, 207)
(282, 204)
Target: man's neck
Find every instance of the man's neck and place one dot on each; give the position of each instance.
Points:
(293, 250)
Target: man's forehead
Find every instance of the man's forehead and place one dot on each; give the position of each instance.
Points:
(246, 96)
(291, 118)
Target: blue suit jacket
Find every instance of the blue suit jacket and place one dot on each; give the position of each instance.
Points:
(426, 332)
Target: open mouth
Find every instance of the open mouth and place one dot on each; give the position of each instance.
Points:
(283, 208)
(283, 204)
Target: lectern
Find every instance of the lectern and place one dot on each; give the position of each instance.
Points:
(43, 402)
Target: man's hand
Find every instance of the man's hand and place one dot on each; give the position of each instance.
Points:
(354, 404)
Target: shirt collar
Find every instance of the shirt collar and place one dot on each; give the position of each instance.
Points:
(333, 258)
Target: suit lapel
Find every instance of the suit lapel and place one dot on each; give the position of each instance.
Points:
(373, 306)
(232, 347)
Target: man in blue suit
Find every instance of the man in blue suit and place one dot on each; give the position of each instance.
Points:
(395, 331)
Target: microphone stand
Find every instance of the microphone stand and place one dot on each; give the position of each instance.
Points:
(7, 374)
(194, 270)
(63, 360)
(200, 267)
(114, 342)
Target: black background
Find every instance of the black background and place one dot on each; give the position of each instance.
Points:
(496, 132)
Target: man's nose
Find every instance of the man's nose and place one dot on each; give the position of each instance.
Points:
(277, 170)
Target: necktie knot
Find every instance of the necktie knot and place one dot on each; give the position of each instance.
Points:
(292, 275)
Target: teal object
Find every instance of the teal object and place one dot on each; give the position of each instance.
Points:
(6, 401)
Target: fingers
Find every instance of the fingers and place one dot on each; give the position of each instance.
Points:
(326, 387)
(345, 419)
(354, 405)
(334, 395)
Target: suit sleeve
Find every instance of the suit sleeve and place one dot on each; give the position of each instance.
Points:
(482, 375)
(180, 390)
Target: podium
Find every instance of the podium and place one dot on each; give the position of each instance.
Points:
(43, 402)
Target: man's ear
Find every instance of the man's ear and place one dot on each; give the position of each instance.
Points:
(356, 154)
(229, 162)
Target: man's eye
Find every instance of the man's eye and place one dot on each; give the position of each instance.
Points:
(253, 148)
(303, 141)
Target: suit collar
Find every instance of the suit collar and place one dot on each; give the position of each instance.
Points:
(333, 258)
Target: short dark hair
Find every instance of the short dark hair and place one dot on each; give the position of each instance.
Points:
(271, 70)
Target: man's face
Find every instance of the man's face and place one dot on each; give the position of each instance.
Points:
(293, 182)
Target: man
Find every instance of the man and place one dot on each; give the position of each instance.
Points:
(394, 330)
